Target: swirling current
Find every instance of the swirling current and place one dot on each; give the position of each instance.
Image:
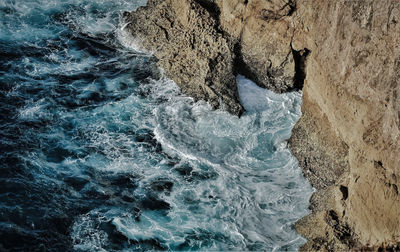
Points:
(99, 151)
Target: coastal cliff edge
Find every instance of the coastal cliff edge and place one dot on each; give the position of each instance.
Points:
(344, 55)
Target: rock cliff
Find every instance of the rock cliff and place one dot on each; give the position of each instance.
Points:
(203, 44)
(348, 139)
(345, 55)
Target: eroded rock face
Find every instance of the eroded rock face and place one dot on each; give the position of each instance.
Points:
(348, 139)
(264, 32)
(347, 55)
(203, 44)
(184, 38)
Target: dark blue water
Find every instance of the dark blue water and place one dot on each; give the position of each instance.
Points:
(99, 151)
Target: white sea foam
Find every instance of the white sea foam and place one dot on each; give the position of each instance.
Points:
(236, 186)
(250, 189)
(35, 111)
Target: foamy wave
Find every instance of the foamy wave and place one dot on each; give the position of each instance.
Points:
(104, 143)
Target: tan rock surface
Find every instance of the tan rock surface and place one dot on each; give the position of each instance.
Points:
(351, 100)
(183, 37)
(264, 31)
(203, 44)
(348, 139)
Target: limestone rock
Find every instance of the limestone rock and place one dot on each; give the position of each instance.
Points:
(183, 37)
(348, 140)
(202, 46)
(264, 30)
(347, 55)
(266, 50)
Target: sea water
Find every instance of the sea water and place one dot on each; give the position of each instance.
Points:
(99, 151)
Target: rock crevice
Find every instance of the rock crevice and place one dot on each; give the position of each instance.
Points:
(300, 58)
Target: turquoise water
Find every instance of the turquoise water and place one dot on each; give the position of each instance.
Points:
(100, 151)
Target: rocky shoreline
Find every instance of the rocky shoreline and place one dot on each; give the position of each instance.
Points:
(344, 55)
(202, 53)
